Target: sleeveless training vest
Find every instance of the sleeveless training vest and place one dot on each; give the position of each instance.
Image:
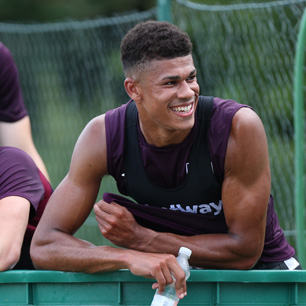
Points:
(185, 216)
(199, 186)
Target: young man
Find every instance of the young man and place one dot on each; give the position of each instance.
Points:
(199, 166)
(24, 193)
(15, 124)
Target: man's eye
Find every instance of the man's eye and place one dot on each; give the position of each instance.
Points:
(191, 77)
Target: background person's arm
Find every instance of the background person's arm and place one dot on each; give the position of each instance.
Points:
(18, 134)
(15, 125)
(21, 191)
(14, 215)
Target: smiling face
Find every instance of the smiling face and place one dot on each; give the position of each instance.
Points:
(166, 96)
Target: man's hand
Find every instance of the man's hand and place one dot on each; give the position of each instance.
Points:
(160, 267)
(117, 224)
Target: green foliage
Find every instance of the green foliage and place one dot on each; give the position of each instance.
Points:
(228, 2)
(54, 10)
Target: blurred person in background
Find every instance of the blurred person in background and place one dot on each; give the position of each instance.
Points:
(24, 193)
(15, 124)
(24, 180)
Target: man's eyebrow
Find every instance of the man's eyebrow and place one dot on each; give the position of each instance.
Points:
(177, 77)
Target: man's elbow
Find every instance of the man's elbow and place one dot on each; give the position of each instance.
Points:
(247, 263)
(36, 256)
(250, 257)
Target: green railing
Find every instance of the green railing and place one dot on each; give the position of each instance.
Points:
(205, 288)
(299, 140)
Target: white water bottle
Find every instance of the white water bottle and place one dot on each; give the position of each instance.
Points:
(169, 297)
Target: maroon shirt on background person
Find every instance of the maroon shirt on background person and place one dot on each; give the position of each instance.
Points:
(12, 106)
(19, 176)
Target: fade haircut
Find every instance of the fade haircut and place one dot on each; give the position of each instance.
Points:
(152, 40)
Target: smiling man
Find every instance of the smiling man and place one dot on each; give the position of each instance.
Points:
(197, 168)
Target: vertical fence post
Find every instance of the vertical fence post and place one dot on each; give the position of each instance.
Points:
(299, 141)
(164, 10)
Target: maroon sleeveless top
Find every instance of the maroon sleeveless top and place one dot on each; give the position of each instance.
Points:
(176, 218)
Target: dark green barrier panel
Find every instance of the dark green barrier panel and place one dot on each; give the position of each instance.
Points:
(205, 287)
(299, 143)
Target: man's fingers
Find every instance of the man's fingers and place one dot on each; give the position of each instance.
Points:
(168, 268)
(180, 279)
(161, 281)
(104, 207)
(181, 287)
(154, 286)
(105, 212)
(180, 292)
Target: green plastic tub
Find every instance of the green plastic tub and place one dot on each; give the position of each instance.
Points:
(205, 287)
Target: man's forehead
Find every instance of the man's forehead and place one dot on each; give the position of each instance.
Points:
(179, 76)
(175, 65)
(179, 67)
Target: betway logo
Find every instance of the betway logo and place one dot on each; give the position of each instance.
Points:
(199, 209)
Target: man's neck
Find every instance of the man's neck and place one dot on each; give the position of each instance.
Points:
(160, 137)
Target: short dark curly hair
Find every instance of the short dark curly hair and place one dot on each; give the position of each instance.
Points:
(153, 40)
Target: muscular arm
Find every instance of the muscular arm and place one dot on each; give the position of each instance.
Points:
(18, 134)
(245, 195)
(54, 247)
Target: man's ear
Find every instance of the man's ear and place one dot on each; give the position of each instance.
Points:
(132, 89)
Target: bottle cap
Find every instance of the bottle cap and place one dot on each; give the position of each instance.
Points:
(185, 251)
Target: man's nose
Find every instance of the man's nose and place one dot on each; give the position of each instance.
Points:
(185, 90)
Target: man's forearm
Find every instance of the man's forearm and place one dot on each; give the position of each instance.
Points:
(220, 251)
(77, 255)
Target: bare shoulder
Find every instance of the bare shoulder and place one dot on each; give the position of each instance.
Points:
(96, 126)
(93, 134)
(247, 149)
(90, 149)
(246, 120)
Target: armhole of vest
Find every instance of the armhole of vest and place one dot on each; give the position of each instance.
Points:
(129, 115)
(204, 112)
(206, 105)
(129, 127)
(207, 109)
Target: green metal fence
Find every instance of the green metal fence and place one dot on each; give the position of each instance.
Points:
(299, 110)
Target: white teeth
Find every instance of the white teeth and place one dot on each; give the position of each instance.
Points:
(182, 109)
